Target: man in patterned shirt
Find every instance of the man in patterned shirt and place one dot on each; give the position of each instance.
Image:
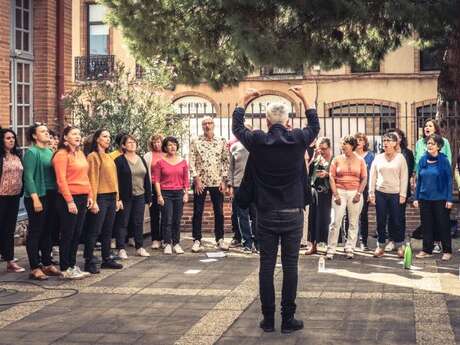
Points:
(209, 162)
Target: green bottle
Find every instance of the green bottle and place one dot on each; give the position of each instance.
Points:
(408, 256)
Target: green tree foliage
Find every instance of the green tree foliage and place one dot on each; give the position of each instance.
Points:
(220, 41)
(127, 104)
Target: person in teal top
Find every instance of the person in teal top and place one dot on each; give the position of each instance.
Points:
(431, 127)
(40, 193)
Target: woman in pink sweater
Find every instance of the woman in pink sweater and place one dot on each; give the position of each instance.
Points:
(171, 184)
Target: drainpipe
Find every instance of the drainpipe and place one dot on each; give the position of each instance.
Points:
(60, 5)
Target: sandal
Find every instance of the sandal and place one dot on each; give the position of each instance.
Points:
(423, 255)
(446, 256)
(13, 267)
(37, 274)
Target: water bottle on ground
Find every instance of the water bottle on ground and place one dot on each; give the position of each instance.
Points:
(321, 264)
(407, 256)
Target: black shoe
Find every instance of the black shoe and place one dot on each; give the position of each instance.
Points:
(291, 325)
(268, 325)
(111, 264)
(91, 268)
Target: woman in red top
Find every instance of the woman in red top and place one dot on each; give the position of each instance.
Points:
(151, 158)
(171, 184)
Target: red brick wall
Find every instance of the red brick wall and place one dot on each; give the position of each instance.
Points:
(45, 62)
(4, 61)
(412, 217)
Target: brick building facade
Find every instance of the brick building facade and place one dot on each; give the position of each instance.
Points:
(35, 62)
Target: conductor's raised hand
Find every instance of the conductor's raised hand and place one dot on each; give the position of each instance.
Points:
(297, 90)
(250, 95)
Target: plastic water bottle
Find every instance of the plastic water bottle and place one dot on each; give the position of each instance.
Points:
(407, 256)
(321, 264)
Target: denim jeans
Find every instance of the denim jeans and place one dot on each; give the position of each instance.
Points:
(387, 207)
(132, 213)
(273, 227)
(217, 199)
(235, 226)
(101, 223)
(155, 217)
(39, 242)
(434, 217)
(71, 226)
(244, 226)
(9, 207)
(172, 215)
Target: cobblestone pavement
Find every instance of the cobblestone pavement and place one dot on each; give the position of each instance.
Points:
(183, 300)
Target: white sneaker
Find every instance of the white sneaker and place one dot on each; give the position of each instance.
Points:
(142, 252)
(196, 248)
(122, 254)
(79, 271)
(390, 246)
(131, 242)
(222, 245)
(168, 249)
(437, 249)
(178, 249)
(55, 251)
(71, 274)
(113, 244)
(156, 245)
(329, 255)
(349, 254)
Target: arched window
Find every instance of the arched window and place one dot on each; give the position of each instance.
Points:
(194, 106)
(350, 117)
(378, 118)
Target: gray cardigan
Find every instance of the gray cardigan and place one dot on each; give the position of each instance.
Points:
(238, 159)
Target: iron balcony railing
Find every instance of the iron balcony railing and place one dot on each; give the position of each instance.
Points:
(94, 67)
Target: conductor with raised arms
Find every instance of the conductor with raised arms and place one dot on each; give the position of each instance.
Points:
(275, 180)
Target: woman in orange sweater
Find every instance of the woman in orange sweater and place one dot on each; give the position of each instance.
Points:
(74, 198)
(104, 185)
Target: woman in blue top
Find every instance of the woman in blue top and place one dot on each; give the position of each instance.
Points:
(434, 195)
(363, 151)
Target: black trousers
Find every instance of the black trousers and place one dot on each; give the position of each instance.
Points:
(101, 224)
(172, 215)
(155, 216)
(217, 199)
(319, 217)
(132, 213)
(434, 217)
(272, 227)
(71, 226)
(364, 218)
(9, 207)
(39, 236)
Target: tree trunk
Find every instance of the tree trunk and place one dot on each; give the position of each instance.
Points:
(448, 100)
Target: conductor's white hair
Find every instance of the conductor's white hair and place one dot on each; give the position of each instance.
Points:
(277, 113)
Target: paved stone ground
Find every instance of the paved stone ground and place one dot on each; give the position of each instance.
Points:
(161, 300)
